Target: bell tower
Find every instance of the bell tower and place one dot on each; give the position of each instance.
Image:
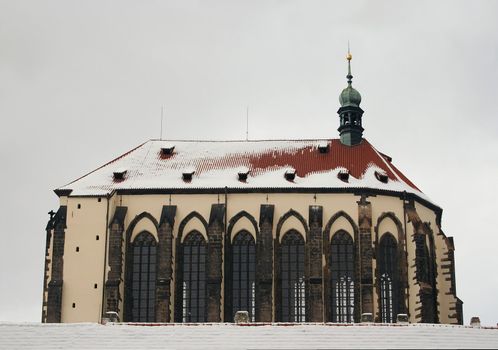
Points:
(350, 113)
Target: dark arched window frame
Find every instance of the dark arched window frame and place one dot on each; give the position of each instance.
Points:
(243, 273)
(342, 281)
(141, 271)
(192, 278)
(387, 261)
(426, 277)
(292, 279)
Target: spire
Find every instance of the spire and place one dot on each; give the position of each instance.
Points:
(349, 57)
(350, 113)
(350, 96)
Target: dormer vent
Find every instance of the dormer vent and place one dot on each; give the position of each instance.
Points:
(323, 147)
(343, 175)
(290, 174)
(167, 150)
(381, 176)
(119, 174)
(243, 174)
(187, 175)
(386, 157)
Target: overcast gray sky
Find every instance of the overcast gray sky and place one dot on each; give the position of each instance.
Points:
(83, 81)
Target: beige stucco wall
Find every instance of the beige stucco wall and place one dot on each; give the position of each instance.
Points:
(85, 268)
(243, 224)
(341, 224)
(144, 225)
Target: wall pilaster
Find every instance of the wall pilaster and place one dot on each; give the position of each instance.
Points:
(264, 264)
(314, 264)
(216, 229)
(365, 255)
(164, 263)
(115, 261)
(48, 238)
(54, 297)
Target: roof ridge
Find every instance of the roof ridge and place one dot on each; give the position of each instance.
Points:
(260, 140)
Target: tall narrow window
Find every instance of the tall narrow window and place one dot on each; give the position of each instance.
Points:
(194, 278)
(388, 267)
(425, 275)
(143, 282)
(342, 277)
(293, 299)
(243, 273)
(422, 254)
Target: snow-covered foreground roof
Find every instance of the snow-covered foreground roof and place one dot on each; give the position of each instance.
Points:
(230, 336)
(160, 165)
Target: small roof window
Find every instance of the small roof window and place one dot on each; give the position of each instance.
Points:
(167, 150)
(386, 157)
(343, 175)
(290, 174)
(187, 175)
(323, 147)
(119, 174)
(242, 174)
(381, 175)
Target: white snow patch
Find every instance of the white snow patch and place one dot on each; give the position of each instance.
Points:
(221, 336)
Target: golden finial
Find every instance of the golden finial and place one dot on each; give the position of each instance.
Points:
(349, 57)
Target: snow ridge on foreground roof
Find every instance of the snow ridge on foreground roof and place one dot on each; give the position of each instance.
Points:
(221, 336)
(159, 164)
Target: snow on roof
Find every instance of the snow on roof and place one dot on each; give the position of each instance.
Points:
(221, 336)
(215, 165)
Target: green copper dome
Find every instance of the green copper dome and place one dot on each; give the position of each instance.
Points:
(350, 97)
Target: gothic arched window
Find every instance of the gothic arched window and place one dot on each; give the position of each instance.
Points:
(194, 278)
(143, 278)
(243, 273)
(388, 267)
(425, 273)
(292, 278)
(342, 277)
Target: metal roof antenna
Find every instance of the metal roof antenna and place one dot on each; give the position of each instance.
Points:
(247, 123)
(162, 113)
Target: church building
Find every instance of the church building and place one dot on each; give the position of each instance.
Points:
(322, 230)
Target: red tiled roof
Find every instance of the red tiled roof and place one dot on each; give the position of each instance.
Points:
(216, 164)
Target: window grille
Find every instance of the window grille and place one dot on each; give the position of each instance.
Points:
(293, 299)
(422, 254)
(388, 267)
(143, 282)
(194, 278)
(243, 273)
(342, 277)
